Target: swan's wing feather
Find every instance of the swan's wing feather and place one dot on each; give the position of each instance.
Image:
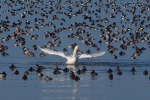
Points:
(91, 55)
(98, 54)
(52, 52)
(85, 56)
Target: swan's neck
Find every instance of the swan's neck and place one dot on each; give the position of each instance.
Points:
(74, 52)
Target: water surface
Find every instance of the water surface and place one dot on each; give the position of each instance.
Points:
(128, 86)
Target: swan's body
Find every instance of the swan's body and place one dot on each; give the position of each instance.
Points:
(73, 58)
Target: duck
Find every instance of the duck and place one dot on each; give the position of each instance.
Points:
(66, 70)
(39, 67)
(56, 72)
(65, 49)
(42, 55)
(93, 73)
(110, 76)
(15, 45)
(145, 72)
(34, 47)
(26, 73)
(56, 68)
(24, 77)
(39, 74)
(31, 54)
(72, 75)
(16, 72)
(133, 69)
(31, 69)
(2, 76)
(4, 73)
(79, 71)
(39, 70)
(118, 69)
(119, 73)
(73, 58)
(132, 57)
(76, 78)
(4, 54)
(109, 70)
(12, 66)
(48, 78)
(115, 56)
(84, 69)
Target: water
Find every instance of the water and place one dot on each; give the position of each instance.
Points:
(129, 85)
(125, 86)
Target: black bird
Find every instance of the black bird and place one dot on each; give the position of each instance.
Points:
(110, 76)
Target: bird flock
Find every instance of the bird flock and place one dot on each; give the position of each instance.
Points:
(74, 75)
(116, 26)
(115, 22)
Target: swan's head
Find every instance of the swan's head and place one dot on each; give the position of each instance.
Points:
(76, 48)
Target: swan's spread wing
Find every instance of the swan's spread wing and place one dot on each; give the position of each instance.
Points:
(98, 54)
(91, 55)
(52, 52)
(84, 56)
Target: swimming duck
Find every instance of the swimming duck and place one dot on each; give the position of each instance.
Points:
(119, 73)
(93, 73)
(40, 67)
(79, 71)
(115, 56)
(24, 77)
(26, 73)
(42, 55)
(56, 72)
(34, 47)
(145, 72)
(110, 76)
(133, 69)
(31, 69)
(109, 70)
(117, 68)
(84, 69)
(2, 76)
(76, 78)
(72, 75)
(56, 68)
(16, 72)
(12, 66)
(38, 70)
(66, 70)
(4, 73)
(48, 78)
(39, 74)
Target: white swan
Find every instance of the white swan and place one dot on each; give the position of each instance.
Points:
(73, 58)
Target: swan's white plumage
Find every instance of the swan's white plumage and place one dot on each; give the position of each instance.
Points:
(91, 55)
(52, 52)
(85, 56)
(73, 58)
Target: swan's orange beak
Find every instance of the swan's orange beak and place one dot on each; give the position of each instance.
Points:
(78, 49)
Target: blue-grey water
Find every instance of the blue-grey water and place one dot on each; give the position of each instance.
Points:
(128, 86)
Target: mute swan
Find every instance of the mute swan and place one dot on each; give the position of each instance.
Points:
(73, 58)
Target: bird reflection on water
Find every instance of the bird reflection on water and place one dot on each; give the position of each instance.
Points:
(72, 88)
(75, 84)
(74, 67)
